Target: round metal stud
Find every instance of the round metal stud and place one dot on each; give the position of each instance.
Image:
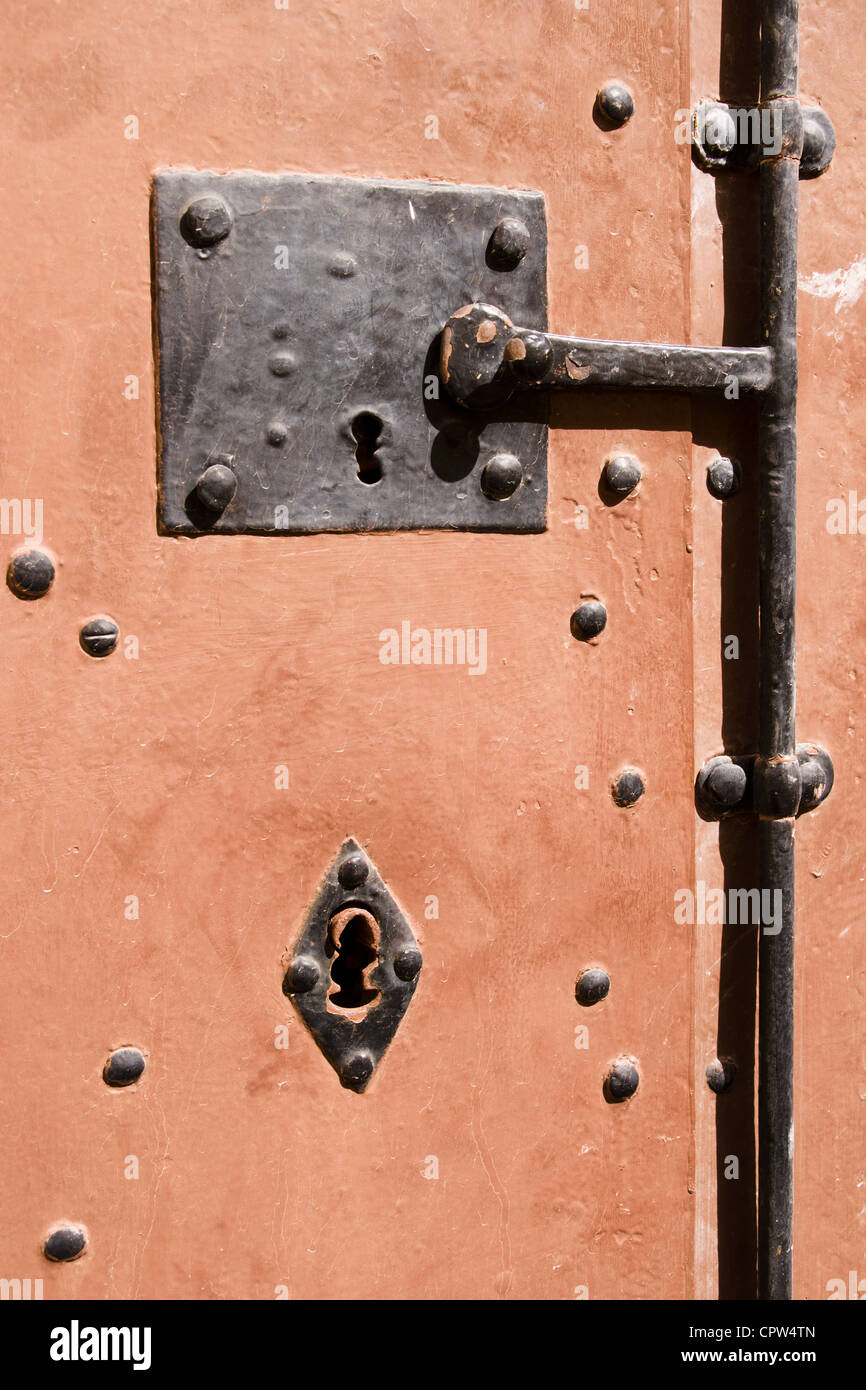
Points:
(819, 143)
(353, 871)
(124, 1066)
(726, 783)
(343, 266)
(65, 1243)
(356, 1071)
(724, 477)
(621, 474)
(99, 636)
(30, 573)
(303, 975)
(628, 787)
(592, 986)
(205, 221)
(622, 1080)
(720, 1074)
(216, 487)
(529, 355)
(614, 105)
(508, 244)
(282, 363)
(501, 477)
(276, 433)
(408, 963)
(588, 620)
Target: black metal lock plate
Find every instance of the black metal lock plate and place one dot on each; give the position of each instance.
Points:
(298, 325)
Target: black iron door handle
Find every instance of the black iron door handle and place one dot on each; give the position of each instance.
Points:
(485, 359)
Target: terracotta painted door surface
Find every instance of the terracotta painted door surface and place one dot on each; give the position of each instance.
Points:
(170, 810)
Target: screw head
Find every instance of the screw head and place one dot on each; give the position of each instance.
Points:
(726, 783)
(303, 975)
(124, 1066)
(628, 787)
(216, 487)
(30, 573)
(353, 871)
(99, 636)
(720, 1074)
(508, 244)
(588, 620)
(719, 131)
(205, 221)
(614, 103)
(65, 1243)
(622, 1080)
(408, 963)
(501, 477)
(592, 986)
(723, 478)
(356, 1071)
(621, 475)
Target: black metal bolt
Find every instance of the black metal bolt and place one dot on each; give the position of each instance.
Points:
(30, 573)
(123, 1067)
(508, 244)
(723, 478)
(356, 1071)
(727, 783)
(216, 487)
(501, 476)
(65, 1243)
(588, 620)
(99, 636)
(719, 131)
(621, 1081)
(614, 104)
(303, 975)
(205, 221)
(628, 787)
(529, 355)
(353, 871)
(408, 963)
(720, 1074)
(592, 986)
(621, 475)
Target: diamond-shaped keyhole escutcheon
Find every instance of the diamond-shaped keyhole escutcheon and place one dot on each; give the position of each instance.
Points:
(354, 967)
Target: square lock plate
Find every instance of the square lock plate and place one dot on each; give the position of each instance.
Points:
(298, 321)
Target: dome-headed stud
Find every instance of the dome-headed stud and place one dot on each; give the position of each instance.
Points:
(99, 636)
(727, 784)
(65, 1243)
(622, 1080)
(303, 975)
(124, 1066)
(628, 787)
(205, 221)
(723, 478)
(356, 1071)
(30, 573)
(614, 106)
(621, 475)
(508, 244)
(408, 963)
(588, 620)
(501, 477)
(215, 488)
(592, 986)
(353, 871)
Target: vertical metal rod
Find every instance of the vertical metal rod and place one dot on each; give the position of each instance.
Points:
(779, 177)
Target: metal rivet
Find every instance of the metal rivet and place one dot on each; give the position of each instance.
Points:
(65, 1243)
(592, 986)
(408, 963)
(216, 487)
(343, 266)
(277, 433)
(628, 787)
(282, 363)
(588, 620)
(622, 1080)
(205, 221)
(303, 975)
(529, 355)
(501, 476)
(280, 330)
(727, 783)
(720, 1074)
(719, 131)
(356, 1071)
(123, 1067)
(621, 474)
(723, 478)
(353, 871)
(508, 244)
(614, 104)
(99, 636)
(30, 573)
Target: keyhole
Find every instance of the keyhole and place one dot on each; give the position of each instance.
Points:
(367, 429)
(353, 934)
